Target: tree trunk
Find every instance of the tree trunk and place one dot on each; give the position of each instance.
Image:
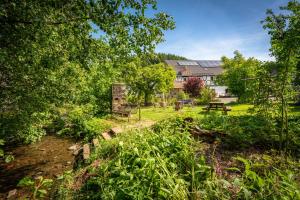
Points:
(146, 103)
(140, 111)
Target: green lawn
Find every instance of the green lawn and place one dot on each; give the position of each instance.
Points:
(158, 114)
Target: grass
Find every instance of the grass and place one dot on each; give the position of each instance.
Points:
(158, 114)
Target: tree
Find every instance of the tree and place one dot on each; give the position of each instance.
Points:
(156, 58)
(296, 83)
(236, 71)
(168, 56)
(145, 81)
(284, 30)
(48, 57)
(193, 86)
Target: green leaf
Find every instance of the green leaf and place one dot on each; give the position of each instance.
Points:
(9, 158)
(26, 181)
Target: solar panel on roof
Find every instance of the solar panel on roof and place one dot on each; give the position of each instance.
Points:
(187, 63)
(209, 63)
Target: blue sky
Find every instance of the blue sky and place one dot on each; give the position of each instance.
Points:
(209, 29)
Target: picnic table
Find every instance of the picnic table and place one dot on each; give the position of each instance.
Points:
(217, 106)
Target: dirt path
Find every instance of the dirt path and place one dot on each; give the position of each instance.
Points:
(139, 125)
(47, 158)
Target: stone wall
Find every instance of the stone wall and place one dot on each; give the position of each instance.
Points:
(119, 93)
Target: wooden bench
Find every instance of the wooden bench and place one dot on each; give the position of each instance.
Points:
(217, 106)
(123, 113)
(125, 110)
(189, 102)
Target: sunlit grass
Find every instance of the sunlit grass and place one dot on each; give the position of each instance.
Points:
(158, 114)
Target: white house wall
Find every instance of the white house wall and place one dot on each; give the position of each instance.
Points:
(220, 90)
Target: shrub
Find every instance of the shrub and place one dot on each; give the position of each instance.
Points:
(78, 122)
(243, 130)
(35, 131)
(182, 95)
(193, 86)
(171, 101)
(207, 95)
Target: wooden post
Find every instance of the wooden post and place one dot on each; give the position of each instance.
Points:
(140, 111)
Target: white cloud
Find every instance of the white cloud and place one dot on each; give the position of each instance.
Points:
(254, 45)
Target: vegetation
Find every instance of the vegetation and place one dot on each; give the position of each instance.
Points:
(167, 56)
(49, 59)
(193, 86)
(182, 95)
(78, 122)
(55, 77)
(38, 187)
(163, 163)
(146, 81)
(206, 95)
(236, 72)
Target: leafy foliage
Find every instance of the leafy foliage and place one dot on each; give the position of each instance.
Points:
(78, 122)
(164, 163)
(193, 86)
(251, 130)
(283, 29)
(206, 95)
(236, 72)
(38, 187)
(161, 58)
(145, 81)
(181, 95)
(48, 57)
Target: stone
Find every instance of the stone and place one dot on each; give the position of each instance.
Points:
(11, 193)
(116, 130)
(73, 147)
(57, 175)
(58, 166)
(86, 151)
(76, 152)
(106, 136)
(95, 142)
(69, 163)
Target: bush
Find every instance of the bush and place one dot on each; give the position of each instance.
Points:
(182, 95)
(78, 122)
(171, 101)
(207, 95)
(193, 86)
(243, 130)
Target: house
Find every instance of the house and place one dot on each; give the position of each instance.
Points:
(207, 70)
